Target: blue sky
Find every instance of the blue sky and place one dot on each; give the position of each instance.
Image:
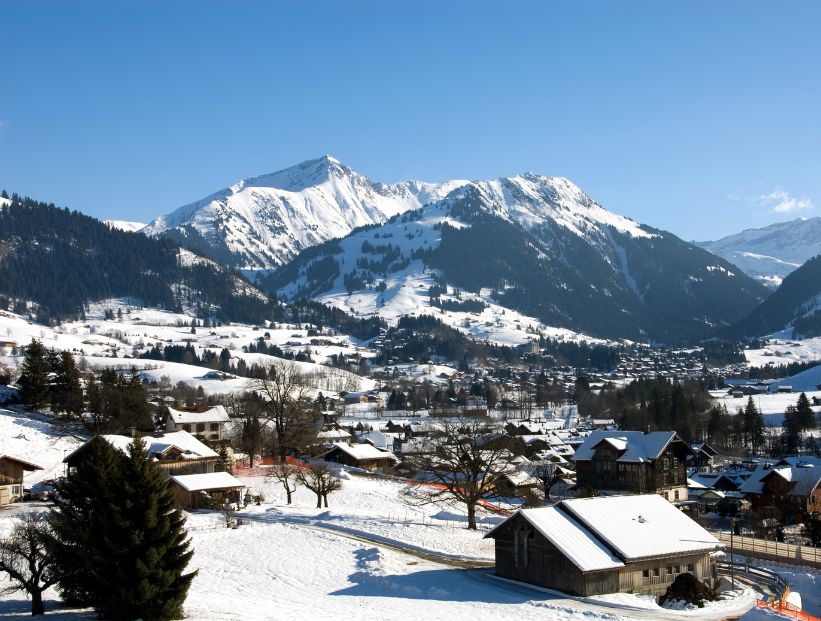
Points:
(701, 118)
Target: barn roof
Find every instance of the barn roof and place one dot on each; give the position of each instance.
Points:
(572, 539)
(641, 526)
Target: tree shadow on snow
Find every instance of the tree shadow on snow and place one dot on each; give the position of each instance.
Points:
(449, 585)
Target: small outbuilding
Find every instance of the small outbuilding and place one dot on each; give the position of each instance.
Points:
(591, 546)
(12, 470)
(205, 491)
(365, 456)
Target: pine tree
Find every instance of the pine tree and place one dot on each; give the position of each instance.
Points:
(753, 426)
(67, 393)
(805, 415)
(83, 498)
(791, 431)
(34, 377)
(147, 550)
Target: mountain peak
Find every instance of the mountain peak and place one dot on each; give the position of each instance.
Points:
(301, 176)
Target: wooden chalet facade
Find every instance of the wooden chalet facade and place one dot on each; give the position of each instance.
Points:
(12, 471)
(610, 549)
(634, 462)
(792, 486)
(174, 453)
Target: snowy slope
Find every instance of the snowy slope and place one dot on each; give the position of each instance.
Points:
(772, 252)
(261, 222)
(527, 250)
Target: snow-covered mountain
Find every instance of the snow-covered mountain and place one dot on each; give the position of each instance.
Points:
(263, 222)
(535, 245)
(795, 307)
(770, 253)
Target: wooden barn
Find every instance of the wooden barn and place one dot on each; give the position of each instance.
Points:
(12, 470)
(592, 546)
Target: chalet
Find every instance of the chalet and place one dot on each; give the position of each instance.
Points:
(591, 546)
(205, 422)
(7, 347)
(793, 486)
(174, 453)
(703, 457)
(363, 456)
(12, 471)
(205, 491)
(721, 481)
(634, 462)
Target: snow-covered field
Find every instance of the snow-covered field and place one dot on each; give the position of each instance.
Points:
(782, 350)
(100, 343)
(300, 562)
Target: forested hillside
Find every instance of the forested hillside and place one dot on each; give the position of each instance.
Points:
(61, 259)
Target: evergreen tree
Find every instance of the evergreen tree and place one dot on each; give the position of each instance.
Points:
(805, 415)
(83, 498)
(753, 427)
(147, 551)
(67, 393)
(34, 377)
(791, 431)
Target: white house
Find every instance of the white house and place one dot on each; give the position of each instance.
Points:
(206, 423)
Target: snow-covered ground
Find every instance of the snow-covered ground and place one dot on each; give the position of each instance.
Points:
(781, 349)
(300, 562)
(772, 405)
(38, 441)
(96, 341)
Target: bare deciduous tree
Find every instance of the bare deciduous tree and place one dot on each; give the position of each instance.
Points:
(286, 475)
(461, 467)
(284, 392)
(321, 480)
(25, 557)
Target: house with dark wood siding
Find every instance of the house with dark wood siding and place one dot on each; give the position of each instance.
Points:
(634, 462)
(592, 546)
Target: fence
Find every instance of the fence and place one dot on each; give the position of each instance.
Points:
(772, 550)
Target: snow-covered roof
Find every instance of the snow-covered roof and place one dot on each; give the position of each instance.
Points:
(640, 526)
(572, 539)
(637, 446)
(159, 444)
(363, 451)
(804, 475)
(216, 414)
(207, 481)
(333, 434)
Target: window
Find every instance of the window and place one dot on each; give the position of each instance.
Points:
(677, 569)
(690, 567)
(645, 573)
(215, 426)
(656, 572)
(200, 426)
(665, 464)
(669, 570)
(676, 494)
(186, 427)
